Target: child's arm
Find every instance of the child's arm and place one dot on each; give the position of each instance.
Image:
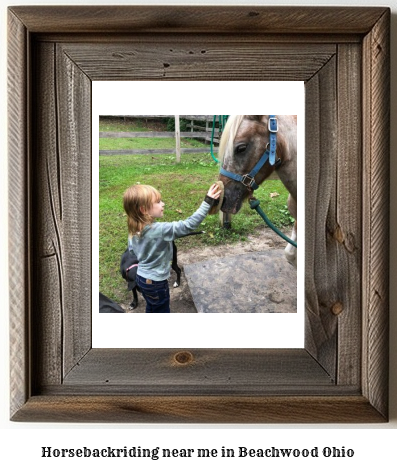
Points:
(173, 230)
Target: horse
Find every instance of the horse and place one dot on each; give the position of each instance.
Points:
(250, 149)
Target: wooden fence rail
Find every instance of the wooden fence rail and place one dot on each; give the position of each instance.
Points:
(169, 150)
(177, 150)
(154, 134)
(196, 117)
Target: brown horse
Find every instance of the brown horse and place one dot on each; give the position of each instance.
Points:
(251, 148)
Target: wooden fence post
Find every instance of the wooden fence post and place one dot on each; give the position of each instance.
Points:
(177, 139)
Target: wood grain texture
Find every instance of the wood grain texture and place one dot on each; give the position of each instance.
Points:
(198, 409)
(341, 376)
(333, 207)
(48, 302)
(62, 202)
(376, 151)
(220, 59)
(347, 224)
(74, 144)
(321, 277)
(19, 215)
(204, 369)
(193, 19)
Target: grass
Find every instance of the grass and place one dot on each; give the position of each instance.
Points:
(182, 186)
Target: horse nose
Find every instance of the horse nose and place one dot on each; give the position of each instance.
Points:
(233, 198)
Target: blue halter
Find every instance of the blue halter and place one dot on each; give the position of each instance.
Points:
(270, 155)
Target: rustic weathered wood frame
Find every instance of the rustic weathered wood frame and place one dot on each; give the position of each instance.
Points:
(343, 56)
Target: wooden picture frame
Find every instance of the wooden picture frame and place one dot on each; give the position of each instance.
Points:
(342, 54)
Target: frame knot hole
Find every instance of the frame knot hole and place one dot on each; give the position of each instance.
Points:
(337, 308)
(339, 235)
(183, 358)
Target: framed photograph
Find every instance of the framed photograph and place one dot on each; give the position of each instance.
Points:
(342, 56)
(216, 280)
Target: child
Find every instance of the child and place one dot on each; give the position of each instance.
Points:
(151, 241)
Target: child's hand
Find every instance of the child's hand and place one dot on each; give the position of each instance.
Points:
(214, 191)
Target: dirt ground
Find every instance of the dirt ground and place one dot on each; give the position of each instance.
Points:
(181, 298)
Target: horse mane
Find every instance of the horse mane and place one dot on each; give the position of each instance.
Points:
(228, 134)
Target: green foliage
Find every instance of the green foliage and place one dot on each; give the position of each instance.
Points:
(170, 124)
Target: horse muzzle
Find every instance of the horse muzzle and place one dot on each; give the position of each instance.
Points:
(235, 194)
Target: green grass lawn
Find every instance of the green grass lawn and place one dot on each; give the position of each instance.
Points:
(183, 187)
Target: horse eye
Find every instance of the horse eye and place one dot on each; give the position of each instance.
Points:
(241, 148)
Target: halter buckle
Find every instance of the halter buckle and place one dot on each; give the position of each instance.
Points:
(273, 125)
(247, 180)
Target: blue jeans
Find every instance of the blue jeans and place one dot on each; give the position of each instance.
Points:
(156, 294)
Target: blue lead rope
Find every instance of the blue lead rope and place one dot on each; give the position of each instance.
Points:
(221, 127)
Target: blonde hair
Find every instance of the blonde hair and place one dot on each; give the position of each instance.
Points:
(228, 135)
(137, 201)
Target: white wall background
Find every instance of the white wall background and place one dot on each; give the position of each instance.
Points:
(374, 446)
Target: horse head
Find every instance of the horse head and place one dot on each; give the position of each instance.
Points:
(244, 142)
